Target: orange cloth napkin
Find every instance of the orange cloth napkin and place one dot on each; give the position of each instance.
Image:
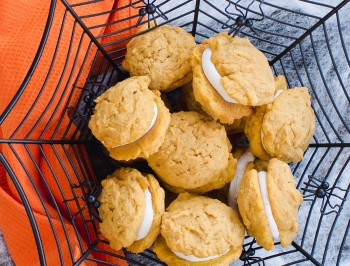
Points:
(42, 106)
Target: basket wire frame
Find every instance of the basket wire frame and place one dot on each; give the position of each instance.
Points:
(297, 55)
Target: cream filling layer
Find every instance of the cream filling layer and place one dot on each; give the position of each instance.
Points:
(193, 258)
(155, 108)
(147, 221)
(261, 131)
(242, 163)
(214, 76)
(267, 206)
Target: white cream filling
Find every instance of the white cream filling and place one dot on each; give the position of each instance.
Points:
(147, 217)
(267, 206)
(214, 76)
(155, 108)
(196, 259)
(242, 163)
(261, 131)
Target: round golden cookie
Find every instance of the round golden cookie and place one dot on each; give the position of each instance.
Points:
(210, 100)
(192, 105)
(253, 124)
(195, 153)
(122, 208)
(245, 72)
(288, 125)
(123, 116)
(123, 113)
(148, 143)
(199, 226)
(284, 199)
(163, 54)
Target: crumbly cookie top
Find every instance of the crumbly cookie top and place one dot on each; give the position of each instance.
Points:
(245, 71)
(195, 151)
(163, 54)
(201, 226)
(288, 125)
(210, 100)
(122, 206)
(124, 112)
(285, 200)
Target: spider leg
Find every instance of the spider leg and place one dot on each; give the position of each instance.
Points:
(133, 5)
(95, 214)
(262, 12)
(75, 215)
(334, 195)
(323, 206)
(238, 29)
(340, 189)
(229, 12)
(226, 25)
(148, 22)
(161, 14)
(139, 21)
(98, 192)
(309, 195)
(307, 190)
(310, 185)
(78, 197)
(257, 259)
(236, 7)
(247, 10)
(152, 2)
(255, 32)
(232, 29)
(314, 178)
(154, 19)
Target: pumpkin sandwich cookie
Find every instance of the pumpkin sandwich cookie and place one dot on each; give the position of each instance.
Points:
(164, 55)
(195, 155)
(268, 203)
(201, 231)
(132, 205)
(284, 128)
(130, 120)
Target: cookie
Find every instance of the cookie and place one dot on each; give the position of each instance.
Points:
(130, 120)
(195, 155)
(268, 203)
(163, 54)
(235, 127)
(210, 100)
(284, 128)
(197, 230)
(238, 71)
(131, 209)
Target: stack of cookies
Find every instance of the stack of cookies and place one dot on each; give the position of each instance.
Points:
(229, 88)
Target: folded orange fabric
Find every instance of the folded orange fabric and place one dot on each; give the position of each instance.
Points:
(41, 106)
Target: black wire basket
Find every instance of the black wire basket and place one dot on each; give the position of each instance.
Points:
(304, 40)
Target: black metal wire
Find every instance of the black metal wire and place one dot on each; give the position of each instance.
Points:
(28, 209)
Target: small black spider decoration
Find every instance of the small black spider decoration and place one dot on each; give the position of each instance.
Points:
(148, 8)
(90, 191)
(241, 20)
(321, 189)
(248, 253)
(84, 110)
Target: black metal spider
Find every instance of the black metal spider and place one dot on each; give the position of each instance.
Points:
(248, 253)
(148, 8)
(89, 94)
(241, 19)
(90, 195)
(321, 189)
